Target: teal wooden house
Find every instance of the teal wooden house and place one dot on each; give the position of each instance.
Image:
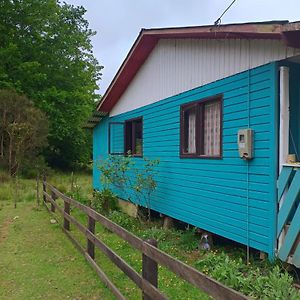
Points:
(219, 106)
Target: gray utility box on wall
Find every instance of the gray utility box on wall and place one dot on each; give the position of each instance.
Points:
(245, 143)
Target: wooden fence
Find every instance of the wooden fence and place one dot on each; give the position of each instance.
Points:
(151, 255)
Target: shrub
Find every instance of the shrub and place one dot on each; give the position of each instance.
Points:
(32, 167)
(258, 283)
(62, 188)
(276, 285)
(104, 201)
(133, 183)
(77, 194)
(124, 220)
(188, 240)
(158, 234)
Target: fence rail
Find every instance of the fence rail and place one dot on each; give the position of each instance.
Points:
(151, 255)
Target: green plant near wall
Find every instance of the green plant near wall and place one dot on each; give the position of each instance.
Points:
(105, 201)
(145, 183)
(115, 173)
(258, 283)
(135, 184)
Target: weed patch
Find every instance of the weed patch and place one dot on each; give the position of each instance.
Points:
(124, 220)
(259, 283)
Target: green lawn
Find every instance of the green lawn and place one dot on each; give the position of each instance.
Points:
(37, 261)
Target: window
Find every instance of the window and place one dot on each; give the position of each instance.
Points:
(134, 137)
(201, 128)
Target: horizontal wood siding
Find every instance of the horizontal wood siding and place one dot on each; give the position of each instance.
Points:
(216, 195)
(100, 148)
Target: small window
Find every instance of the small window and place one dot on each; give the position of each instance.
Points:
(200, 128)
(134, 137)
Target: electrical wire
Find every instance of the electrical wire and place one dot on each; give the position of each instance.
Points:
(218, 21)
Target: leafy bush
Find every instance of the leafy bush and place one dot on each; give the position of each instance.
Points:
(32, 167)
(276, 285)
(188, 240)
(62, 188)
(133, 183)
(104, 201)
(124, 220)
(77, 194)
(159, 234)
(256, 282)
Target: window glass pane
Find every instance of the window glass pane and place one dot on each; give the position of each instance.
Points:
(212, 122)
(134, 137)
(138, 135)
(189, 130)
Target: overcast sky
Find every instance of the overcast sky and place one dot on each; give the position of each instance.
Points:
(118, 22)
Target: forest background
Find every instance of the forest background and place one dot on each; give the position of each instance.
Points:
(48, 84)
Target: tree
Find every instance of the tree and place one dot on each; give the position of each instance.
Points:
(23, 130)
(46, 53)
(119, 174)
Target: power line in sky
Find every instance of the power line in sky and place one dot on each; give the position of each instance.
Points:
(218, 21)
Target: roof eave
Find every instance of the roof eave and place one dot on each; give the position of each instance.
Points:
(148, 38)
(138, 53)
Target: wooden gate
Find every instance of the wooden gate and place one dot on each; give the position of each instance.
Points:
(288, 224)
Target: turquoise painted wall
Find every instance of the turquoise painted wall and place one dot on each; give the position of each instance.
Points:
(229, 197)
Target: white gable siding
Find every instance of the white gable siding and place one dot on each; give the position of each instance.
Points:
(175, 66)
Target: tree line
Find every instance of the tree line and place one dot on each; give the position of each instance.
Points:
(48, 79)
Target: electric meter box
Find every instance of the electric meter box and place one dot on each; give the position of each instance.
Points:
(245, 143)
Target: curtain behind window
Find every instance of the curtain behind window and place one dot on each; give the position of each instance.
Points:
(212, 120)
(192, 131)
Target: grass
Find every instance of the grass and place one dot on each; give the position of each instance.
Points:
(42, 263)
(169, 283)
(38, 262)
(46, 263)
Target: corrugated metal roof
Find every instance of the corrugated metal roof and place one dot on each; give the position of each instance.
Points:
(95, 118)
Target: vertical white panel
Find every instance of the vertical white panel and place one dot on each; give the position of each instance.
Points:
(175, 66)
(284, 116)
(284, 133)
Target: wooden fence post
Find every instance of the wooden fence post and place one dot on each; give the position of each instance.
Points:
(44, 187)
(54, 197)
(91, 245)
(67, 211)
(150, 269)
